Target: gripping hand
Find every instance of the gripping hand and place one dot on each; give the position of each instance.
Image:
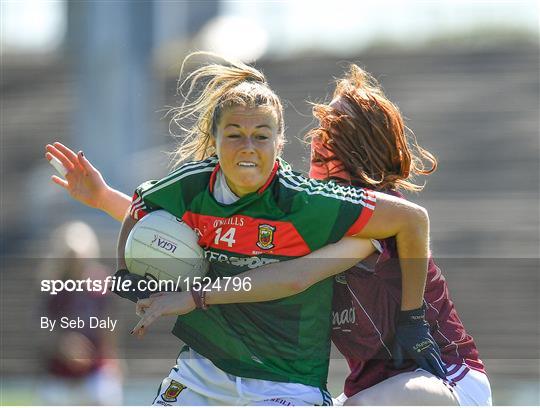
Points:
(413, 340)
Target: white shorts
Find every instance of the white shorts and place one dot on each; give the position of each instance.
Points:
(195, 380)
(471, 387)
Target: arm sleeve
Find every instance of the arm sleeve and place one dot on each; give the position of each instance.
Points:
(367, 203)
(167, 194)
(139, 207)
(326, 212)
(176, 191)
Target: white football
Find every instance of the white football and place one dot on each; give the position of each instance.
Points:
(163, 247)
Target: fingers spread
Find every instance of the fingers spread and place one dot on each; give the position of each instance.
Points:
(54, 152)
(66, 151)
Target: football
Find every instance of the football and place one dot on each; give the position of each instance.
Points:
(163, 247)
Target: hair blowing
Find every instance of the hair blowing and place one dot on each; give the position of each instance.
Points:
(212, 88)
(368, 137)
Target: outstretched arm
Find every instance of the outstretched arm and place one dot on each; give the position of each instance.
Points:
(85, 183)
(283, 279)
(269, 282)
(393, 216)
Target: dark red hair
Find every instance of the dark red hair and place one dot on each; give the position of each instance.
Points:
(362, 138)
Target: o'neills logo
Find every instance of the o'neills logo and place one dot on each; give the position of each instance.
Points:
(164, 244)
(266, 236)
(236, 221)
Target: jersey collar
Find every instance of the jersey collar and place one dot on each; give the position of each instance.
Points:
(261, 190)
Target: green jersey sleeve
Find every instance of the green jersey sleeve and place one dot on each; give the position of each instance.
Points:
(174, 192)
(325, 212)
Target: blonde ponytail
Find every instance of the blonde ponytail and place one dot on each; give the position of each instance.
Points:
(210, 89)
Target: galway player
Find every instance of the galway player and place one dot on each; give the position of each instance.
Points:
(360, 119)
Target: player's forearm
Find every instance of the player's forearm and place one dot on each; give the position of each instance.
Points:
(413, 248)
(114, 203)
(283, 279)
(127, 225)
(262, 287)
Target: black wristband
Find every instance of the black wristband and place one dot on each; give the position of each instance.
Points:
(415, 316)
(120, 273)
(131, 292)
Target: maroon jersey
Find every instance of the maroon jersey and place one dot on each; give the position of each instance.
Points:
(366, 304)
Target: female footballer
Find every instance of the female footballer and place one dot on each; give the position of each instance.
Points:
(240, 119)
(362, 141)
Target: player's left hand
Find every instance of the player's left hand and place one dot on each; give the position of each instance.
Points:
(414, 340)
(161, 304)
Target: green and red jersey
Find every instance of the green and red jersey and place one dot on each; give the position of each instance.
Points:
(285, 340)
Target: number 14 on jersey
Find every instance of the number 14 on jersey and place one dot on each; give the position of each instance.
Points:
(225, 236)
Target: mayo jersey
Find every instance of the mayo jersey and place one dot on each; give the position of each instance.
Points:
(286, 340)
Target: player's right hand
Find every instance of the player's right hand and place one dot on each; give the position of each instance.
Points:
(82, 181)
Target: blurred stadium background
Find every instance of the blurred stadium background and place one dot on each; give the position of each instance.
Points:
(98, 75)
